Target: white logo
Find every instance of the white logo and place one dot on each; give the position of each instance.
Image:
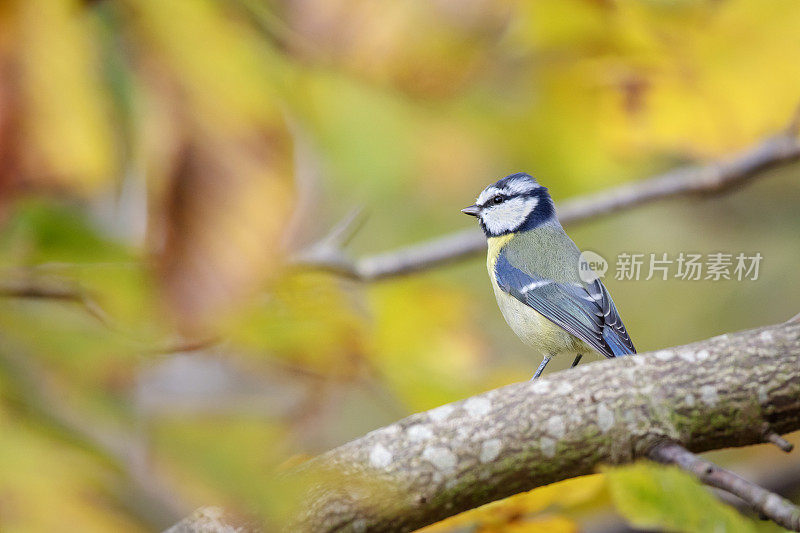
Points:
(591, 266)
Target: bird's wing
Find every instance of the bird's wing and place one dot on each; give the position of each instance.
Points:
(585, 311)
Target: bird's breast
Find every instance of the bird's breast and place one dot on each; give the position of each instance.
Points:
(531, 327)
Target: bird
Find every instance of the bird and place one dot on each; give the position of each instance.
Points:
(534, 268)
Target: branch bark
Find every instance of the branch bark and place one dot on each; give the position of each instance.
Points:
(716, 393)
(705, 179)
(207, 520)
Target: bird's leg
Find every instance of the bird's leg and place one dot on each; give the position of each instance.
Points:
(577, 360)
(541, 367)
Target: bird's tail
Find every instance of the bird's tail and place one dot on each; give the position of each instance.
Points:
(617, 346)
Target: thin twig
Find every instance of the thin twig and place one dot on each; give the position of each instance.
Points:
(705, 179)
(782, 444)
(328, 252)
(783, 481)
(52, 291)
(341, 234)
(773, 437)
(778, 509)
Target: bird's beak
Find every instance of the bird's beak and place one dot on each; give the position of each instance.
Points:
(472, 210)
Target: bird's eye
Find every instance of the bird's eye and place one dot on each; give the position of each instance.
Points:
(499, 199)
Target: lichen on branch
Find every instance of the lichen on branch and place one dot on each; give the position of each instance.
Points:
(712, 394)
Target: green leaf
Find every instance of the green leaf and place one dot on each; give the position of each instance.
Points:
(665, 498)
(53, 232)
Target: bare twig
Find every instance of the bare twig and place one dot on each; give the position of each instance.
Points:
(345, 230)
(54, 291)
(782, 444)
(328, 253)
(783, 481)
(432, 465)
(705, 179)
(781, 511)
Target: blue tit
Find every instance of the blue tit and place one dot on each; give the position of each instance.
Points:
(535, 272)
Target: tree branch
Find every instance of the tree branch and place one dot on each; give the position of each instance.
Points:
(779, 510)
(705, 179)
(783, 480)
(713, 394)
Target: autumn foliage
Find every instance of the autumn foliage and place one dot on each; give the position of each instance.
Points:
(162, 163)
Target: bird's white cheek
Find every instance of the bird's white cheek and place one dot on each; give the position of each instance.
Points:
(508, 216)
(495, 224)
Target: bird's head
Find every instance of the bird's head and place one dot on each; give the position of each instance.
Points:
(514, 203)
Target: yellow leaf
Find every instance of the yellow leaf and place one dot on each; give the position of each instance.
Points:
(69, 140)
(230, 77)
(425, 330)
(517, 512)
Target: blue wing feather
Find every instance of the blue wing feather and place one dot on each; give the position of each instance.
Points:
(584, 310)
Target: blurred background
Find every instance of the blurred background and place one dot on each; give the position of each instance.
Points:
(161, 163)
